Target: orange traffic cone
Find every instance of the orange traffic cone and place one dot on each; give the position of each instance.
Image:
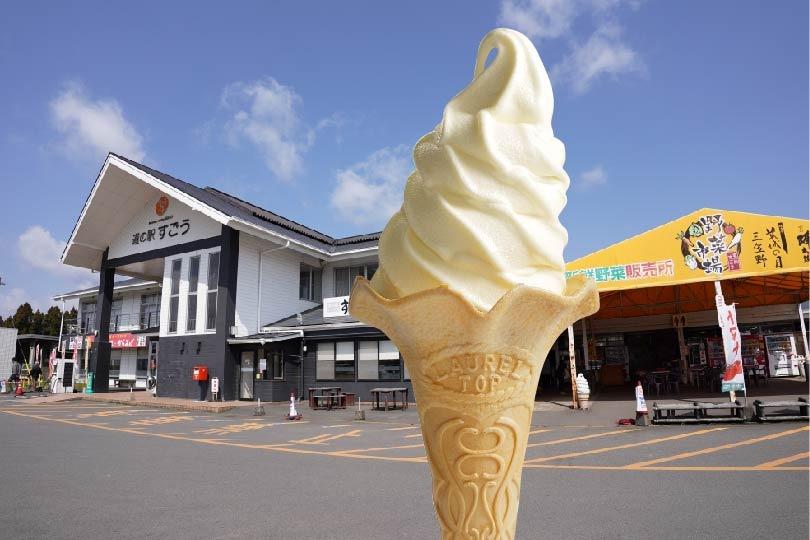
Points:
(19, 392)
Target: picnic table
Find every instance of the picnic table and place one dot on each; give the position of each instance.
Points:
(323, 396)
(388, 395)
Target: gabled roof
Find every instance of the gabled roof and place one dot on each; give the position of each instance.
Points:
(235, 207)
(132, 183)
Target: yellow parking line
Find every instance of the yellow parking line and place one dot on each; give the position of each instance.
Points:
(414, 436)
(714, 449)
(781, 461)
(380, 448)
(582, 438)
(401, 428)
(536, 431)
(663, 468)
(623, 446)
(322, 439)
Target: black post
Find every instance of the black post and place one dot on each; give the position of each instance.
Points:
(226, 307)
(102, 349)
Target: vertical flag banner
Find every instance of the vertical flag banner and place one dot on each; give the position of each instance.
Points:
(733, 378)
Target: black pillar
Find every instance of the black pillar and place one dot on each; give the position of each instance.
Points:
(226, 308)
(100, 356)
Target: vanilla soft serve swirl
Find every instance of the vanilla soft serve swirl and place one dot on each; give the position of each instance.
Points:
(481, 210)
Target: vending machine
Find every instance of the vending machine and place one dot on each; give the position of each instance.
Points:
(782, 358)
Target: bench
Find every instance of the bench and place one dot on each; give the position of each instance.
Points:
(736, 411)
(697, 412)
(668, 413)
(762, 415)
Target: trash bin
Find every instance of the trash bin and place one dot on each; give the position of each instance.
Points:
(88, 387)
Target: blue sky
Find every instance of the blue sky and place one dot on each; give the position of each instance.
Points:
(310, 109)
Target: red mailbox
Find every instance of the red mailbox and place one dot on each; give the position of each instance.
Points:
(200, 373)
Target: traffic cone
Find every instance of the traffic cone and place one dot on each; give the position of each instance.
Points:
(293, 414)
(19, 392)
(642, 418)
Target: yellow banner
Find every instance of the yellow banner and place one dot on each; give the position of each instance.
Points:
(707, 245)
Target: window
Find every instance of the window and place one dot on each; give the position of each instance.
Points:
(390, 363)
(211, 296)
(278, 365)
(325, 361)
(140, 366)
(115, 315)
(115, 363)
(378, 360)
(272, 367)
(344, 361)
(150, 311)
(174, 294)
(309, 287)
(344, 277)
(193, 281)
(88, 321)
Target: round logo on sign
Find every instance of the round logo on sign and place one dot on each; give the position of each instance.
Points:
(162, 205)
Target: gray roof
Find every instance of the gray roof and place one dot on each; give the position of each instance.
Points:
(129, 282)
(311, 317)
(236, 207)
(269, 337)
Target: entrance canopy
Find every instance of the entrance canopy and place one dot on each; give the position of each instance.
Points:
(762, 260)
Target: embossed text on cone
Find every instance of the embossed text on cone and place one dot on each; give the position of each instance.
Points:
(474, 377)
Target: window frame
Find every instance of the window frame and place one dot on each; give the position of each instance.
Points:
(211, 322)
(363, 270)
(174, 295)
(149, 302)
(399, 361)
(191, 315)
(314, 286)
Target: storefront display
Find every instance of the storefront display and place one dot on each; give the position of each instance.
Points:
(782, 358)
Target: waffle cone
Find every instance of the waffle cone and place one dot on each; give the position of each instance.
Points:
(474, 377)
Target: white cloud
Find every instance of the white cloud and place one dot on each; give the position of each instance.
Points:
(539, 18)
(93, 128)
(369, 192)
(604, 53)
(265, 113)
(593, 177)
(38, 249)
(10, 300)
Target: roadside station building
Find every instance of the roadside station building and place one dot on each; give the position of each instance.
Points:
(241, 292)
(261, 301)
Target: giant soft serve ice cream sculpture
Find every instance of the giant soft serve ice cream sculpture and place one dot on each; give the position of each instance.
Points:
(471, 285)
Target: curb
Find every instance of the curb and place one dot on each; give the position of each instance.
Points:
(191, 406)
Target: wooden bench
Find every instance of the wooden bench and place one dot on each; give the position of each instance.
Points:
(762, 415)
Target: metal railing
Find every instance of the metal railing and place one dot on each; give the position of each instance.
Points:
(119, 322)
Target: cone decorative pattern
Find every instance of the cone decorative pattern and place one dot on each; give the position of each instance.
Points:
(474, 376)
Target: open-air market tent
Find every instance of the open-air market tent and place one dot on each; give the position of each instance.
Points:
(761, 261)
(658, 296)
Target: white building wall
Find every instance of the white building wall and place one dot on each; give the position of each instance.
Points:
(247, 286)
(281, 272)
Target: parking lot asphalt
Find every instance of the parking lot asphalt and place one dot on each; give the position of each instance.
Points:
(113, 471)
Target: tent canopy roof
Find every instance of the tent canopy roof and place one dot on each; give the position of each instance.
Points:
(671, 268)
